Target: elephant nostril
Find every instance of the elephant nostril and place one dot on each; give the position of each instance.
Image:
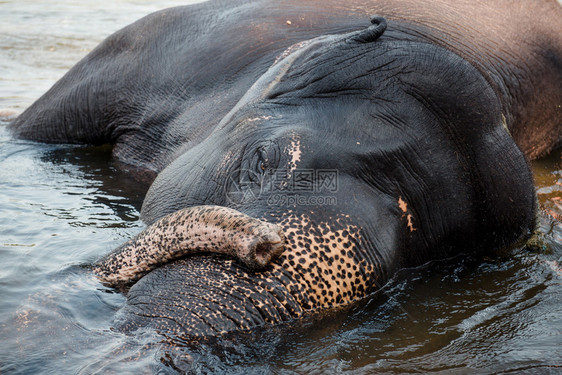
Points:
(262, 252)
(269, 249)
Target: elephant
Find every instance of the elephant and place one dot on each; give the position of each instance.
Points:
(300, 153)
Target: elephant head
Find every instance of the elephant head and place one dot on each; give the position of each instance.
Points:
(360, 154)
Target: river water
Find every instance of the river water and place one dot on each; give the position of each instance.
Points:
(63, 207)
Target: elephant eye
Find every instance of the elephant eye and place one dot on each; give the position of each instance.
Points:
(264, 157)
(263, 161)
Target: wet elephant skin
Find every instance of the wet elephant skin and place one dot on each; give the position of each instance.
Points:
(426, 118)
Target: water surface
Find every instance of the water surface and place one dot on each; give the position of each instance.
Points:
(62, 207)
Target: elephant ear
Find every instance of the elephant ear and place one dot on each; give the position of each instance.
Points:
(467, 118)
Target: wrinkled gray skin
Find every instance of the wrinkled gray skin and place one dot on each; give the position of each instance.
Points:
(415, 130)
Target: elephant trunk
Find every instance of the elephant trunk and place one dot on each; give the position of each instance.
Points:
(200, 229)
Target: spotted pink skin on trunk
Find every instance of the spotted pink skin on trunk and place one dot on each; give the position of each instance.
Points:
(326, 264)
(201, 229)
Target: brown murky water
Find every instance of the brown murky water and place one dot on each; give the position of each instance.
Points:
(63, 207)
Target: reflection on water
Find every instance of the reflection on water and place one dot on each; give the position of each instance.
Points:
(63, 207)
